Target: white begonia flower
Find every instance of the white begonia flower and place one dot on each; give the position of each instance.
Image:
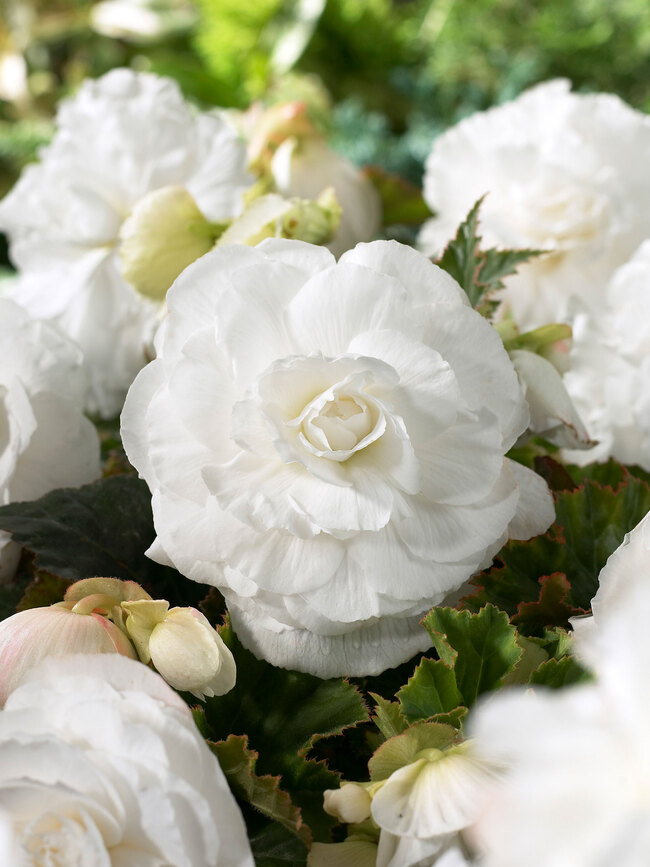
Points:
(576, 791)
(185, 649)
(101, 764)
(610, 368)
(325, 443)
(307, 167)
(422, 807)
(121, 139)
(45, 440)
(564, 172)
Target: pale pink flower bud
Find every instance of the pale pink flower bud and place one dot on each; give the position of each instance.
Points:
(28, 637)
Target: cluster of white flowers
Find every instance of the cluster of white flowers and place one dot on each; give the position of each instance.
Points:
(101, 764)
(312, 430)
(563, 172)
(576, 791)
(45, 440)
(325, 442)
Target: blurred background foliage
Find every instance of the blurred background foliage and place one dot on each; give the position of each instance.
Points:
(383, 78)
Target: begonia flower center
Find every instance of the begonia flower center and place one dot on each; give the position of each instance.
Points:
(339, 422)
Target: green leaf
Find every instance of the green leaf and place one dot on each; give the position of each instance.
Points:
(402, 749)
(99, 529)
(432, 690)
(388, 717)
(479, 272)
(261, 792)
(556, 673)
(590, 524)
(284, 713)
(482, 648)
(461, 257)
(275, 846)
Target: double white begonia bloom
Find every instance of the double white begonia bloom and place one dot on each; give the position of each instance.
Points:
(121, 139)
(101, 764)
(564, 172)
(609, 380)
(45, 440)
(325, 443)
(577, 791)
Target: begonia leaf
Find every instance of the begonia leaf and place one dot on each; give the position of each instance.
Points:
(591, 522)
(261, 792)
(556, 673)
(104, 529)
(481, 648)
(388, 717)
(284, 713)
(479, 272)
(432, 690)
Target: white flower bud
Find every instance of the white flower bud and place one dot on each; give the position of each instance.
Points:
(164, 234)
(28, 637)
(350, 803)
(184, 648)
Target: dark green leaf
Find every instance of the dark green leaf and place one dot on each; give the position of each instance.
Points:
(261, 792)
(100, 529)
(284, 713)
(275, 846)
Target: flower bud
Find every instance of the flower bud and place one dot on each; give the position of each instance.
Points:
(164, 234)
(272, 127)
(28, 637)
(188, 653)
(271, 216)
(350, 803)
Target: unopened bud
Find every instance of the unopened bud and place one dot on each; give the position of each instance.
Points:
(350, 803)
(164, 234)
(272, 216)
(272, 127)
(28, 637)
(186, 651)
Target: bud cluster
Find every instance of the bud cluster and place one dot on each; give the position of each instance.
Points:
(106, 615)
